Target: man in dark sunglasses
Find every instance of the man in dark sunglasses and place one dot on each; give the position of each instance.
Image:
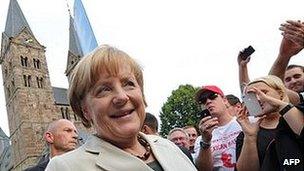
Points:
(215, 148)
(208, 95)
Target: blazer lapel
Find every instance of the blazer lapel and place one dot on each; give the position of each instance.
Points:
(112, 158)
(167, 157)
(160, 152)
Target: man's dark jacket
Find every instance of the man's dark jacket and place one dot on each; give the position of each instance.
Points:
(39, 167)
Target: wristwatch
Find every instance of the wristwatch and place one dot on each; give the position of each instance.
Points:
(285, 109)
(204, 145)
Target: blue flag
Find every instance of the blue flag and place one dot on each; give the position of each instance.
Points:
(83, 28)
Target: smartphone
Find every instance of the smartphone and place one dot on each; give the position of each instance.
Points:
(204, 114)
(247, 52)
(252, 104)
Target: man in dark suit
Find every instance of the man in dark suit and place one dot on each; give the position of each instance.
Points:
(180, 137)
(61, 137)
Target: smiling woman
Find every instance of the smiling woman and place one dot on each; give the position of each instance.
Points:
(106, 92)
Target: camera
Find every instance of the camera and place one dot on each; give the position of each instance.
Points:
(246, 52)
(252, 104)
(204, 113)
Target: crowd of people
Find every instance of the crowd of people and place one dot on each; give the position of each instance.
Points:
(106, 92)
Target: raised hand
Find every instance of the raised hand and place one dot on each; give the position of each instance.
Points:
(206, 126)
(242, 62)
(270, 104)
(249, 129)
(293, 38)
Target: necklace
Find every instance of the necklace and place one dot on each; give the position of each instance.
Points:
(147, 146)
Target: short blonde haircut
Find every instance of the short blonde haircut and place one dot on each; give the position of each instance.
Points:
(104, 59)
(273, 82)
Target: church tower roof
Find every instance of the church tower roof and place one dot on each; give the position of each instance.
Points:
(4, 139)
(15, 20)
(74, 43)
(3, 135)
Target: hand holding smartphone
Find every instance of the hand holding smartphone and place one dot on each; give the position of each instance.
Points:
(252, 104)
(204, 114)
(247, 52)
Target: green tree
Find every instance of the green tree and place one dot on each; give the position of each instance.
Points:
(180, 109)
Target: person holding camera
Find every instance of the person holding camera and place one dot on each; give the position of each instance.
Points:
(274, 138)
(243, 59)
(215, 148)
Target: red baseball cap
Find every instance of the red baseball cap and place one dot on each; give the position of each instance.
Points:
(207, 88)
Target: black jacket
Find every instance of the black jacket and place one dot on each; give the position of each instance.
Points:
(39, 167)
(286, 145)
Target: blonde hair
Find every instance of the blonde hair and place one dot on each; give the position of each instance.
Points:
(104, 59)
(274, 82)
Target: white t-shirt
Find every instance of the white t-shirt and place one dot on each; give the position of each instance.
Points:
(222, 145)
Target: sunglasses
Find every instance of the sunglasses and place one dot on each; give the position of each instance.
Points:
(204, 97)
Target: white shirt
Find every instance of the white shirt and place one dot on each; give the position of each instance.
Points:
(223, 145)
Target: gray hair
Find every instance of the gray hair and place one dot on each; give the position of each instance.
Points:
(177, 129)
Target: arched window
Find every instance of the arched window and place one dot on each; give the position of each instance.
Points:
(23, 61)
(62, 113)
(39, 82)
(65, 113)
(27, 80)
(36, 63)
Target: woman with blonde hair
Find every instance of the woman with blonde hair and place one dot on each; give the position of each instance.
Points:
(276, 135)
(106, 92)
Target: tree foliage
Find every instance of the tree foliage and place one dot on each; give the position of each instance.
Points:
(180, 109)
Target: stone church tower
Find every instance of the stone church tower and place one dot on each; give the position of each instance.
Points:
(28, 92)
(75, 53)
(31, 102)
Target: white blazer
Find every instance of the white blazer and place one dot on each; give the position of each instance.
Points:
(97, 154)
